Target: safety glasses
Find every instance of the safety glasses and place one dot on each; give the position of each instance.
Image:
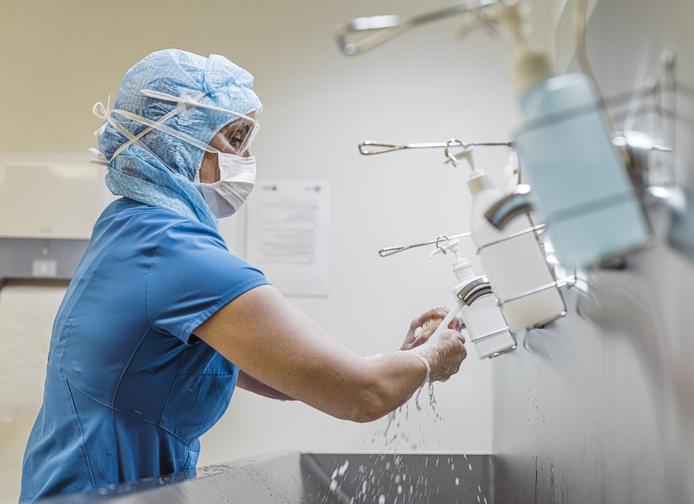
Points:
(240, 133)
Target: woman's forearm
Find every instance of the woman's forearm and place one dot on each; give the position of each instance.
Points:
(392, 379)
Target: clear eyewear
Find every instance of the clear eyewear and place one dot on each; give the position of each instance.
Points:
(239, 133)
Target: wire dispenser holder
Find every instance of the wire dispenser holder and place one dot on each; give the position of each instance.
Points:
(455, 159)
(510, 212)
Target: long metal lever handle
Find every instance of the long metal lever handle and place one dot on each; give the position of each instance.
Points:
(372, 147)
(380, 29)
(389, 251)
(377, 30)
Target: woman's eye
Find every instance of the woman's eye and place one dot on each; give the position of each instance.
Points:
(236, 136)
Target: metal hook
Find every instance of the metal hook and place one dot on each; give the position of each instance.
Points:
(487, 21)
(438, 243)
(454, 142)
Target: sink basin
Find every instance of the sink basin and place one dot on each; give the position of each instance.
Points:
(325, 478)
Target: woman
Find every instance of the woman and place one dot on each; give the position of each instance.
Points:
(161, 321)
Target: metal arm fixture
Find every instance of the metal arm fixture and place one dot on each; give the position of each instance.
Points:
(372, 147)
(389, 251)
(380, 29)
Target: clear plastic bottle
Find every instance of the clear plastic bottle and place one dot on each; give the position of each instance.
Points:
(515, 265)
(580, 185)
(477, 305)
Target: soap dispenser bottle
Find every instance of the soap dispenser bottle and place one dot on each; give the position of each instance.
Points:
(477, 305)
(580, 184)
(513, 259)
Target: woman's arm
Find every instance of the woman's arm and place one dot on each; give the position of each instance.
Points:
(247, 382)
(417, 334)
(281, 347)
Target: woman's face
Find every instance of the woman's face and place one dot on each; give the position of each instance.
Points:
(223, 141)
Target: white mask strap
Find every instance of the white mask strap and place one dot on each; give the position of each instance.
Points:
(165, 129)
(106, 113)
(193, 102)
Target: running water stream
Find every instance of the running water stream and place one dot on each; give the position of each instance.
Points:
(386, 482)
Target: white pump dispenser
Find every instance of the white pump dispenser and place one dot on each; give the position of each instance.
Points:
(514, 263)
(474, 299)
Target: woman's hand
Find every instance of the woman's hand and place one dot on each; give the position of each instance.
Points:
(444, 352)
(424, 326)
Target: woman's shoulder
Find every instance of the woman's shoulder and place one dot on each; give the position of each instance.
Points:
(129, 221)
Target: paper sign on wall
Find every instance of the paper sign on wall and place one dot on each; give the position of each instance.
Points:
(288, 235)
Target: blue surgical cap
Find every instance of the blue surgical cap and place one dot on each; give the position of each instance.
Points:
(162, 174)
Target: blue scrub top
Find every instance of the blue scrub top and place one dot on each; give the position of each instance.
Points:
(129, 390)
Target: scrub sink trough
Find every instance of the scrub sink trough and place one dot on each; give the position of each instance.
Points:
(307, 478)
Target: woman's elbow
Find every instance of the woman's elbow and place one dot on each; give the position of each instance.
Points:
(369, 404)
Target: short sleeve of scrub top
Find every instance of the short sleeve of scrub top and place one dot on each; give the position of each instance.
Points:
(129, 390)
(192, 276)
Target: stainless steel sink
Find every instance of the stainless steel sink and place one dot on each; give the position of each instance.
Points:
(329, 478)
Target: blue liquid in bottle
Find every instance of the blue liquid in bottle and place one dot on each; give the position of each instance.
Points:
(580, 184)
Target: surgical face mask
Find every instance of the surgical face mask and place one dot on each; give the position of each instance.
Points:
(236, 181)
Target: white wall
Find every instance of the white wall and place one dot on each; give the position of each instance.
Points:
(61, 57)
